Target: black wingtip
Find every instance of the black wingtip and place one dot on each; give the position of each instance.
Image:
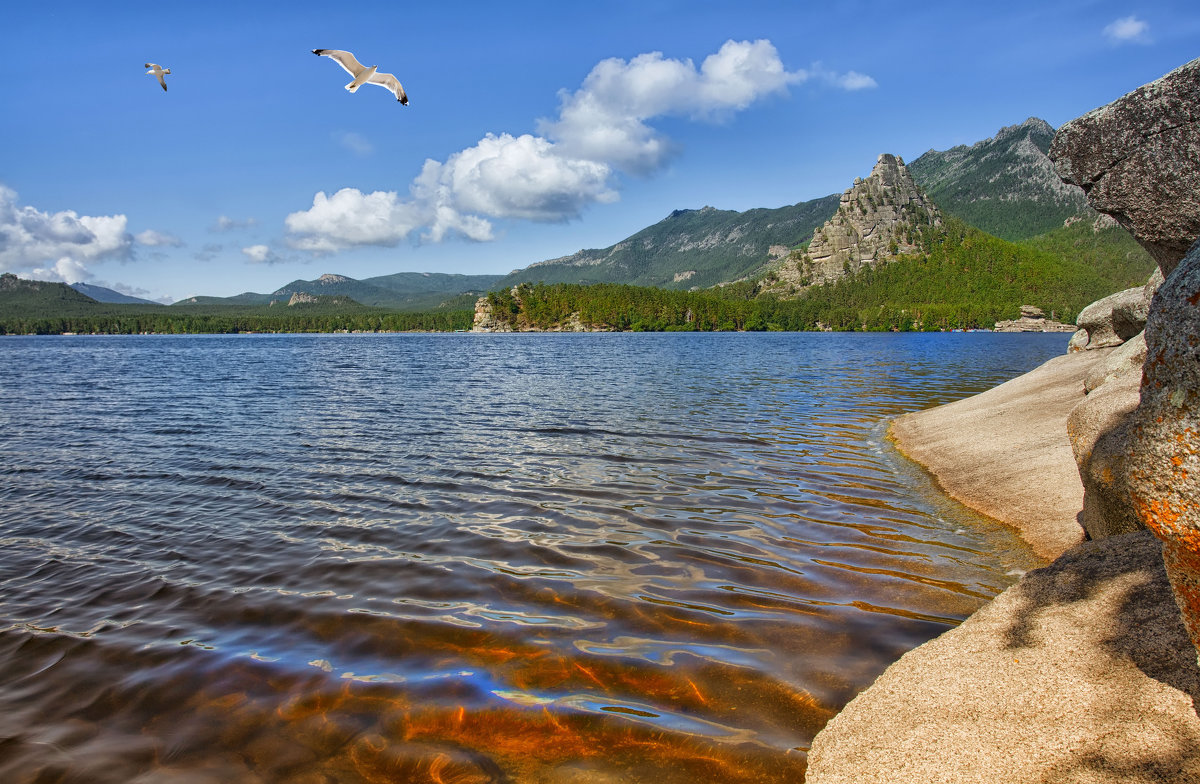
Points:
(317, 52)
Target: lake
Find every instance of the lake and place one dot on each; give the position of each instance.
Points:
(470, 558)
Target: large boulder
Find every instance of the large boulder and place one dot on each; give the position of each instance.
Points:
(1099, 429)
(1164, 446)
(1138, 160)
(1116, 318)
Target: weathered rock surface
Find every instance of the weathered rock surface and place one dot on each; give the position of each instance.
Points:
(1125, 358)
(1138, 160)
(877, 219)
(1098, 429)
(1116, 318)
(1005, 452)
(1164, 443)
(1080, 673)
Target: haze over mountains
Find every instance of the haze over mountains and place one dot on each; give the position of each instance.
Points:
(1005, 185)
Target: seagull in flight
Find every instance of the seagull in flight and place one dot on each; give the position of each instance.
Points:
(158, 71)
(362, 74)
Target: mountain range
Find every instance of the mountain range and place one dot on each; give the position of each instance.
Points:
(1005, 185)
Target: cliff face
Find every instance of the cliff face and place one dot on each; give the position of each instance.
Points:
(877, 219)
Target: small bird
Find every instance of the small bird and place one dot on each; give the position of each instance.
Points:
(158, 71)
(363, 75)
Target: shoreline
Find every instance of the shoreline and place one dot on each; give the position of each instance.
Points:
(1005, 452)
(1082, 671)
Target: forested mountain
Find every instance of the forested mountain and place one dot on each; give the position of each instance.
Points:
(959, 278)
(20, 297)
(689, 248)
(401, 291)
(1005, 185)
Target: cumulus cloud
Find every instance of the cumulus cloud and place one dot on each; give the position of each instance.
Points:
(351, 217)
(158, 239)
(1128, 29)
(65, 269)
(602, 129)
(606, 118)
(262, 254)
(225, 223)
(29, 238)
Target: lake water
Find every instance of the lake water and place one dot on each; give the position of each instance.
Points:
(470, 558)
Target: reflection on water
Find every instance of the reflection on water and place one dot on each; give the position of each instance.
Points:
(469, 558)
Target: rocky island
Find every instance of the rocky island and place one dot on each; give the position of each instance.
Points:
(1086, 670)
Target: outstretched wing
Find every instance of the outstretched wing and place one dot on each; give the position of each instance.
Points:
(342, 58)
(390, 82)
(152, 65)
(162, 81)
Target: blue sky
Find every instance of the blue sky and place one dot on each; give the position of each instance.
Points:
(534, 129)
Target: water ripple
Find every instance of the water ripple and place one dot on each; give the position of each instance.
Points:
(469, 558)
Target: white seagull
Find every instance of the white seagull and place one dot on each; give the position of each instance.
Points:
(158, 71)
(362, 74)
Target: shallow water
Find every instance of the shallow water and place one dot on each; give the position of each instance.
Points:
(469, 558)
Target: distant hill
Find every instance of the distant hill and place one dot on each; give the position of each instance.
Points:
(20, 297)
(101, 294)
(411, 291)
(1005, 185)
(689, 248)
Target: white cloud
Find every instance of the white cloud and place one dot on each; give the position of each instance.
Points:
(65, 269)
(605, 119)
(158, 239)
(508, 177)
(351, 217)
(1128, 29)
(30, 238)
(262, 254)
(355, 143)
(225, 223)
(601, 129)
(853, 80)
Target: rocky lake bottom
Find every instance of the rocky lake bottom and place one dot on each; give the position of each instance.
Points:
(470, 558)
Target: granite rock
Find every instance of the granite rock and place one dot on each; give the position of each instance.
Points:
(1079, 673)
(1138, 160)
(1164, 446)
(1098, 429)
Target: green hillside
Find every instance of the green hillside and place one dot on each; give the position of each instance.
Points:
(964, 279)
(20, 297)
(404, 291)
(1005, 185)
(688, 248)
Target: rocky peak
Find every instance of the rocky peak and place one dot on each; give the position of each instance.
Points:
(878, 219)
(329, 280)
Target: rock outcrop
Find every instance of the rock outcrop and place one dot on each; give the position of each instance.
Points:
(1164, 441)
(1115, 319)
(1137, 160)
(877, 219)
(1033, 319)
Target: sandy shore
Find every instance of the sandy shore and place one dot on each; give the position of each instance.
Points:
(1005, 452)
